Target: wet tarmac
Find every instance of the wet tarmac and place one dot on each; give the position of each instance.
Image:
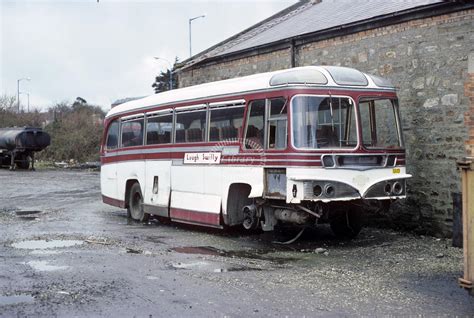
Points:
(64, 253)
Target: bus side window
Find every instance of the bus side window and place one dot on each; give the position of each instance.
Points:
(255, 125)
(112, 136)
(191, 126)
(158, 129)
(277, 121)
(225, 123)
(132, 133)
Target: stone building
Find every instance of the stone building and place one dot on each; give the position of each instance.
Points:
(425, 47)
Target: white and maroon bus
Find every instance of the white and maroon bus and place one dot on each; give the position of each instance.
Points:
(300, 146)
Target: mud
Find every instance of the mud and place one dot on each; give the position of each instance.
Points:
(75, 256)
(21, 213)
(249, 254)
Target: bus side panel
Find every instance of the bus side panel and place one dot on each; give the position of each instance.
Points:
(195, 207)
(187, 178)
(212, 179)
(189, 200)
(108, 183)
(161, 170)
(130, 170)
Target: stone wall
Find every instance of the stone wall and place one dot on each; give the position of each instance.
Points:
(241, 67)
(427, 59)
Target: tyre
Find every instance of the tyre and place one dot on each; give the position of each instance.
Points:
(4, 161)
(23, 162)
(135, 204)
(346, 224)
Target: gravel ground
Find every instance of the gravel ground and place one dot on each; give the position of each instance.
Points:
(64, 253)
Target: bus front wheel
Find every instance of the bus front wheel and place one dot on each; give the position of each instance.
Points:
(135, 204)
(346, 224)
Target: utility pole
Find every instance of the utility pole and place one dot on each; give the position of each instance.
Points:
(18, 91)
(190, 38)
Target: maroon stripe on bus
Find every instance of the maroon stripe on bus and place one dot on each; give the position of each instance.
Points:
(242, 158)
(242, 161)
(194, 216)
(114, 202)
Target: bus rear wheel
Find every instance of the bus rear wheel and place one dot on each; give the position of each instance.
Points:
(135, 204)
(346, 224)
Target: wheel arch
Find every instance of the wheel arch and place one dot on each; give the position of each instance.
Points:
(237, 197)
(128, 185)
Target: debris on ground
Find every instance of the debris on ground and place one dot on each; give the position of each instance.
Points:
(320, 250)
(72, 164)
(97, 240)
(133, 251)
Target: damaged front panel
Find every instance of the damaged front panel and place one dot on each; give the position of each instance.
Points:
(275, 184)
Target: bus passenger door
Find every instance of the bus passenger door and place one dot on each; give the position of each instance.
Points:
(108, 171)
(190, 200)
(157, 186)
(158, 163)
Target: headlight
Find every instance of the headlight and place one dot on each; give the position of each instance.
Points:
(386, 189)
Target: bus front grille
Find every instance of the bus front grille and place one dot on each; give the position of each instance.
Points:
(361, 161)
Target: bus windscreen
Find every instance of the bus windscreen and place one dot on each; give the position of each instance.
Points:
(323, 122)
(380, 123)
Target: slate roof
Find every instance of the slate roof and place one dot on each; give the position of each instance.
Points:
(306, 17)
(324, 15)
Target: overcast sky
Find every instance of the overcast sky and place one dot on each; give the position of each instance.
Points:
(104, 51)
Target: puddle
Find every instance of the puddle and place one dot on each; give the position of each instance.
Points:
(236, 269)
(16, 299)
(202, 250)
(43, 244)
(21, 212)
(209, 250)
(44, 266)
(212, 267)
(192, 265)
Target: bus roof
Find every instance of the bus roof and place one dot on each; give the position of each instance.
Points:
(306, 76)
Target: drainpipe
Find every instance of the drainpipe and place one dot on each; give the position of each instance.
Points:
(293, 53)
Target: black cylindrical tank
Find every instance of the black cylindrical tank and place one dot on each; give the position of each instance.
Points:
(24, 138)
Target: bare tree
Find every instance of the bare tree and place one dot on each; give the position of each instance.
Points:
(7, 103)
